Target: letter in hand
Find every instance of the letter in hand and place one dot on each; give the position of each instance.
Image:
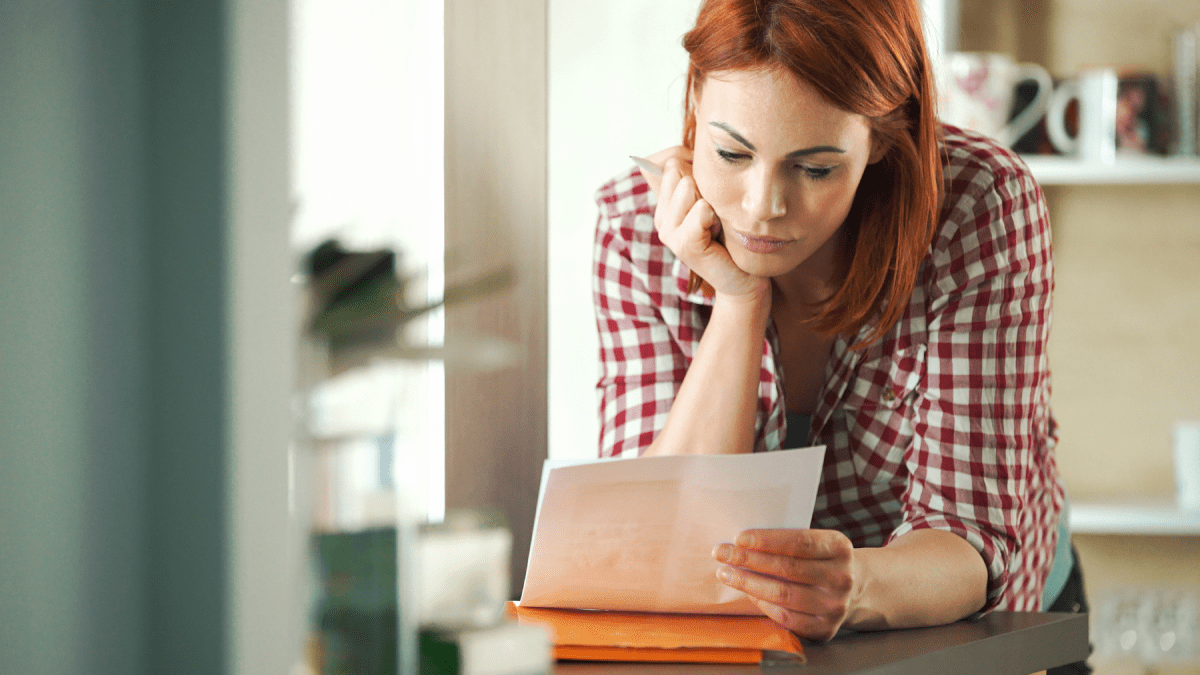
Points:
(687, 225)
(804, 580)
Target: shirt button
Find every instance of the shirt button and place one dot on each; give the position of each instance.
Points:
(888, 395)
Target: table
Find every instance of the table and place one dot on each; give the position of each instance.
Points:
(1001, 643)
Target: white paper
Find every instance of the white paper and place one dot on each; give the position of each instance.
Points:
(637, 534)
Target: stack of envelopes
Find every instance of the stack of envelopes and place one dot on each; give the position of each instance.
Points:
(621, 566)
(584, 635)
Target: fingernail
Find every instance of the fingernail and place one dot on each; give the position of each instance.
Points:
(746, 540)
(723, 552)
(724, 574)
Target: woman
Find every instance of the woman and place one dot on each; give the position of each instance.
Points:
(823, 263)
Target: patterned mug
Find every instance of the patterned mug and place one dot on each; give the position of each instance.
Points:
(976, 91)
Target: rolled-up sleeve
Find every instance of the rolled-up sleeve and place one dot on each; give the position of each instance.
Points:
(982, 420)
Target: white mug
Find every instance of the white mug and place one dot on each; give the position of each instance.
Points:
(976, 91)
(1096, 91)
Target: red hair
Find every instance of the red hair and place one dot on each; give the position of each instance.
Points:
(866, 57)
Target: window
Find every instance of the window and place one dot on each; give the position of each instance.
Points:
(367, 170)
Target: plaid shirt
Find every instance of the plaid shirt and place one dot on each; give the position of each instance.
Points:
(942, 423)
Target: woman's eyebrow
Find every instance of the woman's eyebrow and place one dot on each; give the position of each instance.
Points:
(791, 155)
(736, 136)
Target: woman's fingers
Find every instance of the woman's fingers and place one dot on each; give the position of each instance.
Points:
(670, 182)
(811, 544)
(696, 227)
(807, 626)
(809, 611)
(786, 594)
(833, 575)
(693, 238)
(803, 579)
(656, 177)
(679, 198)
(689, 227)
(665, 218)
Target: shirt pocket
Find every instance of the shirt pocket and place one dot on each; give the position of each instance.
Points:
(878, 409)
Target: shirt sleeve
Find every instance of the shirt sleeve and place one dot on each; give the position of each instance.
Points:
(641, 362)
(983, 422)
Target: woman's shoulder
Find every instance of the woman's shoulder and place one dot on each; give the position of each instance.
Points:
(989, 190)
(993, 212)
(974, 163)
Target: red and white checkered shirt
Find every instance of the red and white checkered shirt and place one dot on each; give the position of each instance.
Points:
(942, 423)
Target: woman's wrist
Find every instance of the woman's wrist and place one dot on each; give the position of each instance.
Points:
(714, 409)
(896, 586)
(861, 615)
(755, 304)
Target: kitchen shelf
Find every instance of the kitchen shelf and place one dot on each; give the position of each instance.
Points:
(1124, 171)
(1133, 516)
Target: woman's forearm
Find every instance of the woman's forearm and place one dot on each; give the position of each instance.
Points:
(923, 578)
(714, 409)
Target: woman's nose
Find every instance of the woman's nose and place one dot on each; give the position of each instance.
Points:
(764, 197)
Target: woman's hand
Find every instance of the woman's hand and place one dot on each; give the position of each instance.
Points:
(688, 226)
(805, 580)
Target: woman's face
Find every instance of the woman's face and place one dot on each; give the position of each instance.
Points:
(780, 165)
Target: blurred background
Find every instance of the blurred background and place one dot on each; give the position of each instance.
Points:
(1127, 308)
(168, 166)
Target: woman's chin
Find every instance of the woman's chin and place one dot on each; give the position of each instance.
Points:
(763, 265)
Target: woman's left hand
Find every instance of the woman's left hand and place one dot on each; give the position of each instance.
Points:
(805, 580)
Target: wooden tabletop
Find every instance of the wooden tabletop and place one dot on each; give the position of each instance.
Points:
(1003, 643)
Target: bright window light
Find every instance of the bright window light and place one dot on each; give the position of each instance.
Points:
(367, 170)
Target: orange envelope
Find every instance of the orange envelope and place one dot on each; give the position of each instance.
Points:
(644, 636)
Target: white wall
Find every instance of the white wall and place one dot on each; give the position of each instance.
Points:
(617, 72)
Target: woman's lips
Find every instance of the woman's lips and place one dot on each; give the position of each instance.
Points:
(760, 244)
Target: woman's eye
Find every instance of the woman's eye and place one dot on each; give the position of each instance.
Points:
(817, 172)
(730, 156)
